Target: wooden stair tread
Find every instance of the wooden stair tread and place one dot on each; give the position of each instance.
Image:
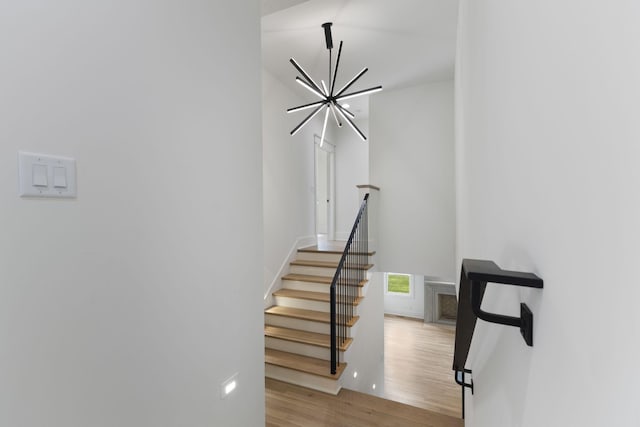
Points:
(302, 314)
(325, 280)
(307, 295)
(326, 264)
(335, 251)
(304, 337)
(300, 363)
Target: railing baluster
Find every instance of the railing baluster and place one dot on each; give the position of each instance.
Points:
(345, 285)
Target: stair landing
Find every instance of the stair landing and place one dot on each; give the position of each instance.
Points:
(329, 247)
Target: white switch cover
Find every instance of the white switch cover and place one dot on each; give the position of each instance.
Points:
(43, 175)
(40, 175)
(59, 177)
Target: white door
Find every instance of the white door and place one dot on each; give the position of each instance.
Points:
(324, 190)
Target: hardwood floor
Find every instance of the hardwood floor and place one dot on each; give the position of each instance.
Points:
(292, 406)
(417, 367)
(418, 383)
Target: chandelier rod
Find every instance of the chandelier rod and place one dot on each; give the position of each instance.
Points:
(350, 122)
(359, 93)
(329, 43)
(333, 83)
(309, 117)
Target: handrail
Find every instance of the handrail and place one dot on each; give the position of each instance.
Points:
(344, 286)
(474, 276)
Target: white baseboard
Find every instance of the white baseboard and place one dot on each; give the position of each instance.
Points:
(300, 242)
(417, 316)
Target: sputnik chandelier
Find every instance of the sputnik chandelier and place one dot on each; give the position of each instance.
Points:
(330, 99)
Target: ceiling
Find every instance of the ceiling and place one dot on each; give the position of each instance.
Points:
(402, 42)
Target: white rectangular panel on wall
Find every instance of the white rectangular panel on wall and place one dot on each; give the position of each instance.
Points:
(43, 175)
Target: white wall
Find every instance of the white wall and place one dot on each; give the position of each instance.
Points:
(124, 307)
(411, 160)
(366, 354)
(352, 169)
(547, 160)
(288, 173)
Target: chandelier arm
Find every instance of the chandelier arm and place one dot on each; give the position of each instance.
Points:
(345, 111)
(351, 82)
(335, 73)
(307, 86)
(304, 107)
(359, 93)
(324, 126)
(335, 116)
(324, 89)
(353, 125)
(306, 120)
(306, 76)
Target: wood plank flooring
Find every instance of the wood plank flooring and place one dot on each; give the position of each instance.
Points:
(331, 247)
(292, 406)
(418, 360)
(418, 373)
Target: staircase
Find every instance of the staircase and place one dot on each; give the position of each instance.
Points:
(297, 327)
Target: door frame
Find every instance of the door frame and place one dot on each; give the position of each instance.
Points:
(330, 149)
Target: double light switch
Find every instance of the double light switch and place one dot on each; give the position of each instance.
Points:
(43, 175)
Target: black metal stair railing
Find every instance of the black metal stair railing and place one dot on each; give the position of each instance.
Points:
(350, 273)
(474, 276)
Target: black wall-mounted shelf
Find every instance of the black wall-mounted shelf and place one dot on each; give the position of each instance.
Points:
(474, 277)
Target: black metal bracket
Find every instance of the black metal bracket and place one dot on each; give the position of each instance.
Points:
(474, 276)
(462, 383)
(482, 272)
(524, 322)
(461, 380)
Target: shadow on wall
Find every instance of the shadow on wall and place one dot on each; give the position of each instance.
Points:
(499, 375)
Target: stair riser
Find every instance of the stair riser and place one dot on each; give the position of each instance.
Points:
(301, 303)
(303, 325)
(312, 271)
(325, 385)
(317, 271)
(318, 256)
(353, 331)
(307, 304)
(312, 287)
(323, 353)
(305, 286)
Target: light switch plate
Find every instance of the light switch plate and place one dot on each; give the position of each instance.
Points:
(30, 162)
